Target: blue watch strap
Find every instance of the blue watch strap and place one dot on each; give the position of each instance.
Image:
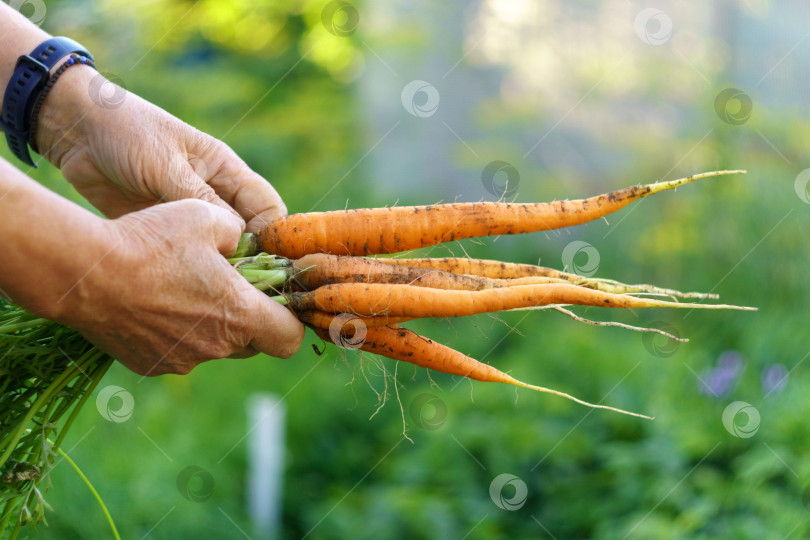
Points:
(30, 75)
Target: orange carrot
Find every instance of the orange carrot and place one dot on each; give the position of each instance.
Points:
(316, 270)
(407, 301)
(403, 345)
(391, 230)
(320, 319)
(481, 267)
(319, 269)
(511, 274)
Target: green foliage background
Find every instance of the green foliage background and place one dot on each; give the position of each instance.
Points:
(226, 67)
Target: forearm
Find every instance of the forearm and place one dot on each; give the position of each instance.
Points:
(18, 36)
(60, 124)
(49, 243)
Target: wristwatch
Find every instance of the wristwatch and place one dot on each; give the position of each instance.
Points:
(30, 76)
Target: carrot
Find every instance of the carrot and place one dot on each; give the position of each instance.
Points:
(407, 301)
(321, 319)
(404, 345)
(480, 267)
(316, 270)
(511, 274)
(391, 230)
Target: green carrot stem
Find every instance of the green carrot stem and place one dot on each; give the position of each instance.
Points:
(281, 299)
(248, 245)
(93, 491)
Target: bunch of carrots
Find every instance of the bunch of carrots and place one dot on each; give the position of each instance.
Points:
(318, 265)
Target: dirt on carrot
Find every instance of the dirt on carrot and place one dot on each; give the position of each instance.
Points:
(370, 231)
(371, 299)
(407, 346)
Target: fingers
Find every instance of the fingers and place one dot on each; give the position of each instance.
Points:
(252, 196)
(226, 229)
(189, 184)
(258, 202)
(190, 220)
(273, 328)
(268, 326)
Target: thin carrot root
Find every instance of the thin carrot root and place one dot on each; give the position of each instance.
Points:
(371, 231)
(575, 399)
(407, 301)
(617, 324)
(404, 345)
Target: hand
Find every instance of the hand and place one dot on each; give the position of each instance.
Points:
(162, 298)
(125, 154)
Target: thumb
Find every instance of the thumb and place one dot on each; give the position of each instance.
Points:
(274, 329)
(226, 228)
(204, 220)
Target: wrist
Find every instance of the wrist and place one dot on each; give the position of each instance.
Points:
(79, 269)
(66, 112)
(50, 245)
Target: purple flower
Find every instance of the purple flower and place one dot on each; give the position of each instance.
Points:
(721, 380)
(731, 361)
(774, 378)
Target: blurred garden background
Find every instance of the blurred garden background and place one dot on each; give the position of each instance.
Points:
(379, 103)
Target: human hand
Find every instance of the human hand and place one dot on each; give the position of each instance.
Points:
(162, 298)
(124, 154)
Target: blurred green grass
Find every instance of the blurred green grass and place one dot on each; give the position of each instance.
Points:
(589, 474)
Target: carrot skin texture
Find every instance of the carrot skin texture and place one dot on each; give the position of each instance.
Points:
(370, 231)
(510, 274)
(404, 345)
(483, 267)
(407, 301)
(319, 269)
(321, 319)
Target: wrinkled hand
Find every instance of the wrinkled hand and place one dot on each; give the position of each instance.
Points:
(125, 154)
(163, 299)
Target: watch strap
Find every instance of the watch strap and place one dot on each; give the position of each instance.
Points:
(30, 75)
